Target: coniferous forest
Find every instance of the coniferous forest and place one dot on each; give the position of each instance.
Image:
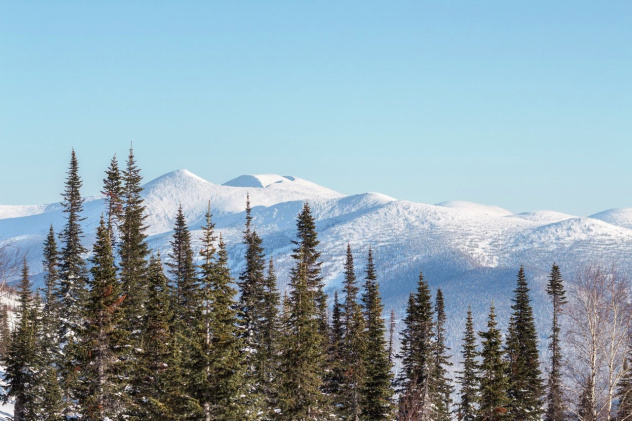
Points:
(128, 334)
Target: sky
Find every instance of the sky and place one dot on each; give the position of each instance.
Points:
(525, 105)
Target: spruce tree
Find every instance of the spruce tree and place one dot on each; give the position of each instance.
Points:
(441, 387)
(133, 252)
(50, 340)
(334, 379)
(523, 369)
(22, 365)
(72, 291)
(252, 286)
(156, 379)
(354, 343)
(376, 390)
(102, 339)
(270, 340)
(624, 390)
(468, 376)
(301, 396)
(493, 382)
(416, 353)
(113, 193)
(555, 399)
(182, 269)
(219, 373)
(5, 332)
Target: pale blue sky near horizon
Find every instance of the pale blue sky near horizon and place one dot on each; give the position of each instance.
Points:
(525, 104)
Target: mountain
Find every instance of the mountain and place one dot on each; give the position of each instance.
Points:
(472, 251)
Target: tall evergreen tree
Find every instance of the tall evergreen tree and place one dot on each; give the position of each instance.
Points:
(493, 382)
(156, 378)
(335, 376)
(5, 332)
(72, 291)
(22, 365)
(468, 377)
(441, 387)
(102, 339)
(306, 246)
(113, 192)
(220, 370)
(354, 343)
(417, 347)
(523, 369)
(269, 349)
(301, 396)
(50, 340)
(555, 400)
(133, 251)
(182, 269)
(376, 390)
(252, 286)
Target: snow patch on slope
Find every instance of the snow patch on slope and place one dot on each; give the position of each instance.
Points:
(476, 207)
(618, 217)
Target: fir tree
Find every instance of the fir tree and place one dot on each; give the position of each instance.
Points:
(50, 340)
(5, 332)
(182, 269)
(417, 346)
(301, 396)
(555, 400)
(113, 192)
(441, 388)
(376, 391)
(51, 405)
(133, 253)
(102, 339)
(156, 377)
(468, 379)
(624, 390)
(221, 373)
(352, 359)
(525, 384)
(493, 382)
(72, 291)
(306, 246)
(22, 365)
(270, 340)
(335, 376)
(391, 336)
(252, 285)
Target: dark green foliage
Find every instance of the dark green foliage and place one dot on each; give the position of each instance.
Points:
(353, 346)
(523, 369)
(586, 409)
(468, 378)
(133, 252)
(306, 246)
(50, 339)
(156, 376)
(5, 333)
(182, 269)
(113, 192)
(555, 399)
(270, 347)
(72, 271)
(72, 291)
(376, 390)
(416, 353)
(335, 375)
(493, 382)
(22, 362)
(219, 371)
(102, 340)
(252, 285)
(624, 390)
(440, 387)
(302, 356)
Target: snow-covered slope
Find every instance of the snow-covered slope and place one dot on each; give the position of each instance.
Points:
(472, 251)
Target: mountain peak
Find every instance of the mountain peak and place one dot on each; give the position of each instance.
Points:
(258, 180)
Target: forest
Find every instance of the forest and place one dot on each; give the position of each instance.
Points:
(120, 332)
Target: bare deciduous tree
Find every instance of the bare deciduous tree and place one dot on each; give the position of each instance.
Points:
(599, 317)
(10, 260)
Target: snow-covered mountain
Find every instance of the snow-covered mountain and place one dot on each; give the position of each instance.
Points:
(472, 251)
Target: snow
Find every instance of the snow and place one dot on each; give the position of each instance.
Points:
(472, 251)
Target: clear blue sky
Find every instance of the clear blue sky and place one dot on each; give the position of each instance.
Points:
(521, 104)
